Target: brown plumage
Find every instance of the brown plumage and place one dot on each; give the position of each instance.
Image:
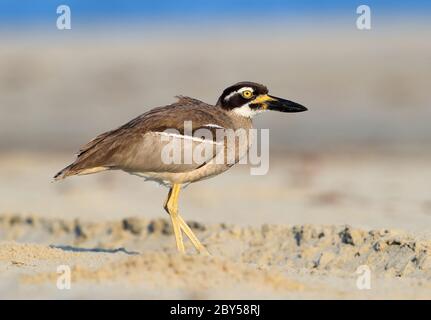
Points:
(115, 149)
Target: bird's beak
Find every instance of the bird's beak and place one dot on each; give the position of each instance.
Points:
(268, 102)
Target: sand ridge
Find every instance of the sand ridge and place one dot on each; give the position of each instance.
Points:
(274, 260)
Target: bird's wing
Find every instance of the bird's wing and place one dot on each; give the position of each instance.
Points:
(167, 152)
(143, 144)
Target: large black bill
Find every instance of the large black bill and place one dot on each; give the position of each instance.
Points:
(283, 105)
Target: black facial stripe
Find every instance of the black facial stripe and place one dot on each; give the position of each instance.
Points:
(236, 100)
(254, 106)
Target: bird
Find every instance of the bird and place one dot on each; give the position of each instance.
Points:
(138, 146)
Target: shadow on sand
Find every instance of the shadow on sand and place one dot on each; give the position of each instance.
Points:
(102, 250)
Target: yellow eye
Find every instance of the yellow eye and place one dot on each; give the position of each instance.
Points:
(247, 94)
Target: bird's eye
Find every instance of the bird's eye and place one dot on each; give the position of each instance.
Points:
(247, 94)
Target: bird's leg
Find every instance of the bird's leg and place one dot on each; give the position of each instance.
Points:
(171, 206)
(189, 233)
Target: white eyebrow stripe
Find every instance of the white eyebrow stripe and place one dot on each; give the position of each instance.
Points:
(230, 95)
(245, 89)
(238, 91)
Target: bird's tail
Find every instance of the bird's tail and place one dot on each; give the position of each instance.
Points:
(74, 170)
(64, 173)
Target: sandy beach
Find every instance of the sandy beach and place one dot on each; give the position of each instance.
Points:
(304, 239)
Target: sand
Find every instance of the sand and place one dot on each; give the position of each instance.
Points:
(276, 238)
(268, 262)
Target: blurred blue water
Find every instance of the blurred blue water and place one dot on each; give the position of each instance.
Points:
(18, 12)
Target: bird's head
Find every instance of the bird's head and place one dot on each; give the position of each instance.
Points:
(248, 99)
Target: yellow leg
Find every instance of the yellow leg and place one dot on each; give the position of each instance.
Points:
(189, 233)
(171, 206)
(178, 222)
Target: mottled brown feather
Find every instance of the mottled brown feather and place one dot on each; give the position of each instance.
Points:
(117, 148)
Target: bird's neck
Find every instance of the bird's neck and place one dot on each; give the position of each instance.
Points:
(241, 121)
